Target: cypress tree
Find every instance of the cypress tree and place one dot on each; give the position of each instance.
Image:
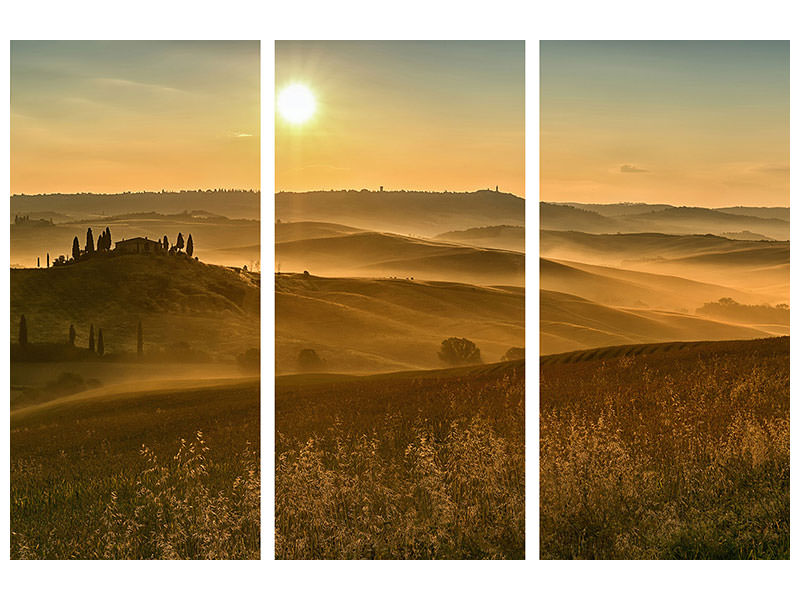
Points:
(91, 338)
(108, 239)
(139, 340)
(76, 248)
(23, 331)
(189, 245)
(48, 260)
(38, 264)
(100, 348)
(166, 243)
(179, 243)
(89, 240)
(71, 334)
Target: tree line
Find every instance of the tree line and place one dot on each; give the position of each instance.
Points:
(98, 348)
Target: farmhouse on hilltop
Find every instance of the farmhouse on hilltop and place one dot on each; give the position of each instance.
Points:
(140, 245)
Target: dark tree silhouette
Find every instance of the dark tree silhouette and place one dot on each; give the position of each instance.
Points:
(108, 239)
(514, 353)
(189, 245)
(23, 331)
(76, 248)
(166, 243)
(48, 260)
(139, 340)
(37, 263)
(71, 334)
(179, 243)
(91, 337)
(309, 360)
(101, 349)
(89, 240)
(459, 351)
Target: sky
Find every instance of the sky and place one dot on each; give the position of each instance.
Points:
(115, 116)
(404, 115)
(683, 123)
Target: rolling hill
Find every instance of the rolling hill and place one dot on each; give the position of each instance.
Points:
(371, 254)
(621, 287)
(179, 301)
(569, 322)
(378, 325)
(678, 220)
(505, 237)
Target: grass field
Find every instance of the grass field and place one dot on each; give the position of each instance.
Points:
(668, 451)
(164, 474)
(426, 464)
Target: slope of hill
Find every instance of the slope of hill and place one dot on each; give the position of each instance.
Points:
(569, 218)
(178, 300)
(505, 237)
(309, 230)
(569, 322)
(417, 213)
(623, 287)
(614, 249)
(371, 254)
(374, 325)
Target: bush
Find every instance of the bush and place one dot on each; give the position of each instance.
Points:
(514, 354)
(309, 360)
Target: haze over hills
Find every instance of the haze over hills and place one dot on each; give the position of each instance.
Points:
(238, 204)
(569, 322)
(506, 237)
(621, 287)
(423, 214)
(367, 253)
(372, 325)
(661, 218)
(757, 269)
(636, 273)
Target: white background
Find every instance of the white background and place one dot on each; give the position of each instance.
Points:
(410, 19)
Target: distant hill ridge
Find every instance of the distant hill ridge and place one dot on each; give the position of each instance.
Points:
(661, 218)
(404, 212)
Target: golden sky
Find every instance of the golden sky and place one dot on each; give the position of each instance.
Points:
(683, 123)
(404, 115)
(128, 116)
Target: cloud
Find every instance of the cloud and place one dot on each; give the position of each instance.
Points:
(772, 168)
(632, 169)
(242, 135)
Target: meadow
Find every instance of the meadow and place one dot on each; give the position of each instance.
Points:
(666, 451)
(412, 465)
(144, 475)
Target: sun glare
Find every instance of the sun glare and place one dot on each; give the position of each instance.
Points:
(296, 103)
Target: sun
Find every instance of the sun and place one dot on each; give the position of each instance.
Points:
(296, 103)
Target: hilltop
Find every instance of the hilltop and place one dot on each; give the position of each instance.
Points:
(179, 301)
